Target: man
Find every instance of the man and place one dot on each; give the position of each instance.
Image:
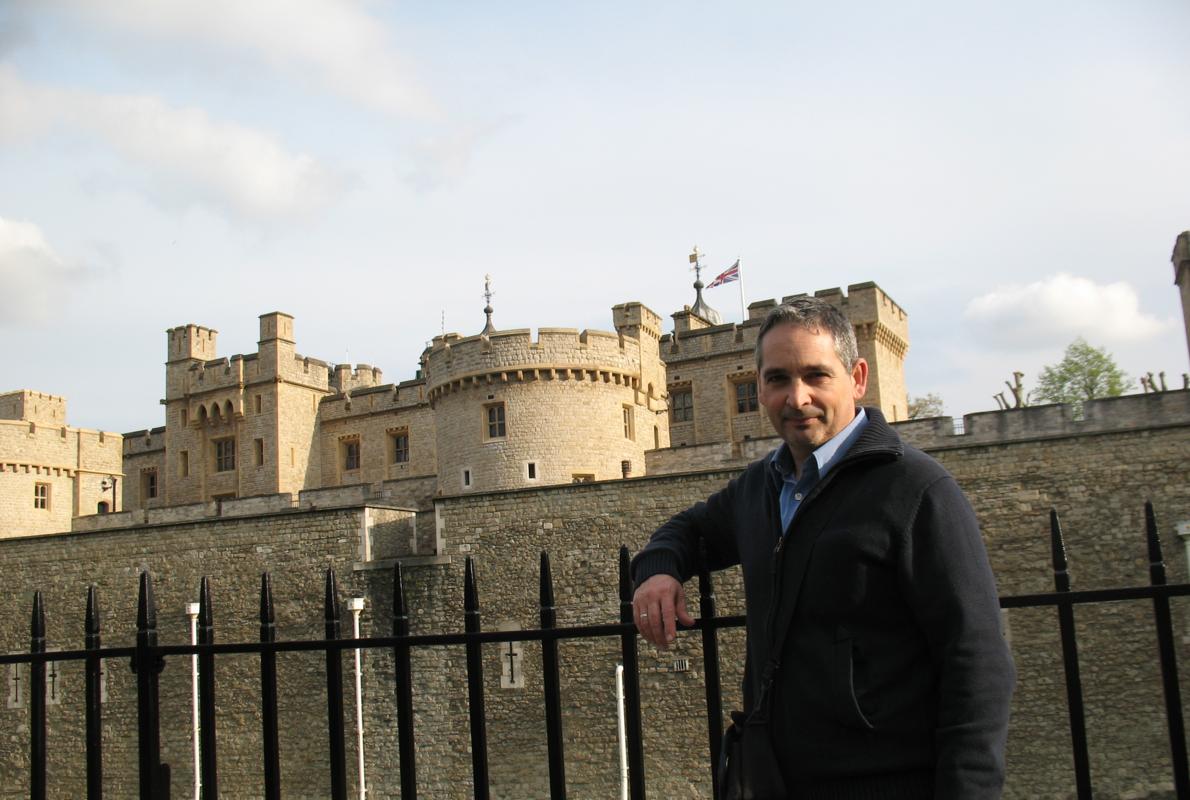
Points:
(894, 679)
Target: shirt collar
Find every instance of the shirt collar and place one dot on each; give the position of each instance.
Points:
(827, 455)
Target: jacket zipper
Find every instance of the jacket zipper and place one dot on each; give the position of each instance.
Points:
(779, 549)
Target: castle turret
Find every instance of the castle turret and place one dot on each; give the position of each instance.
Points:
(512, 410)
(1181, 276)
(276, 345)
(188, 342)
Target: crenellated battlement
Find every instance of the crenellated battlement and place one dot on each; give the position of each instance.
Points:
(144, 441)
(514, 355)
(374, 400)
(1149, 410)
(191, 341)
(345, 379)
(26, 404)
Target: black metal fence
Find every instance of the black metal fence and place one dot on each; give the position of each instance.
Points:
(147, 659)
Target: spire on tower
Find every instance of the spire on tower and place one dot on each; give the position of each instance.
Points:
(488, 328)
(700, 306)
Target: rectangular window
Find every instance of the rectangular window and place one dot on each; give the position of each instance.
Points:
(681, 405)
(531, 470)
(256, 404)
(351, 455)
(745, 397)
(466, 478)
(184, 464)
(400, 448)
(148, 484)
(629, 424)
(495, 420)
(258, 450)
(41, 496)
(225, 455)
(184, 416)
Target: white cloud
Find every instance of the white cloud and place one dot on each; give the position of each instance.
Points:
(1055, 310)
(34, 277)
(331, 43)
(185, 152)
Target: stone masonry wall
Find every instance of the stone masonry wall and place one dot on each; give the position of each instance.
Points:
(373, 417)
(1098, 492)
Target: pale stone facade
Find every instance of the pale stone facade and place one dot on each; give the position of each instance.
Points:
(51, 473)
(499, 410)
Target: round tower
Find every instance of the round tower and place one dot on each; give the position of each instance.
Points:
(514, 411)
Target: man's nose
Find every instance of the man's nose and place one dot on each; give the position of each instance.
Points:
(798, 395)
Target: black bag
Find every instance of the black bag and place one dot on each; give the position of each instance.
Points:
(747, 765)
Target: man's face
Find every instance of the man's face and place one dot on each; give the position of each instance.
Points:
(807, 391)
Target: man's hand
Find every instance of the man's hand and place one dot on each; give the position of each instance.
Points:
(658, 602)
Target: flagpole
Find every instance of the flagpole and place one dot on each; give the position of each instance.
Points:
(743, 311)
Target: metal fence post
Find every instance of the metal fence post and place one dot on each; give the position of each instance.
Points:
(94, 697)
(147, 664)
(1169, 658)
(206, 693)
(636, 753)
(334, 691)
(1074, 684)
(271, 744)
(37, 746)
(551, 683)
(710, 669)
(479, 729)
(404, 679)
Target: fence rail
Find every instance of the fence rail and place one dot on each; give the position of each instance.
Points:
(148, 657)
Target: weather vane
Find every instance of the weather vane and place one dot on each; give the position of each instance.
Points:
(487, 309)
(695, 257)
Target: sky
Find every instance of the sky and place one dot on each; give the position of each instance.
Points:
(1013, 174)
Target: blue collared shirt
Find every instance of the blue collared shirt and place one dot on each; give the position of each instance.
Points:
(793, 489)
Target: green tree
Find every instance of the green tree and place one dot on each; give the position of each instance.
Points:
(928, 406)
(1084, 373)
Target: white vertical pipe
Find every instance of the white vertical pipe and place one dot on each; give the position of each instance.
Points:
(622, 731)
(192, 613)
(356, 605)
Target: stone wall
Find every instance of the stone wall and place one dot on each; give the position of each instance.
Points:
(1012, 485)
(373, 417)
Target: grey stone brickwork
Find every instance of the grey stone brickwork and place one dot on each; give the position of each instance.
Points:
(1011, 483)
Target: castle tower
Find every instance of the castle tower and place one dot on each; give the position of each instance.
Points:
(513, 411)
(243, 425)
(1181, 276)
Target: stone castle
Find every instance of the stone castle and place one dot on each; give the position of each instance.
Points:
(498, 410)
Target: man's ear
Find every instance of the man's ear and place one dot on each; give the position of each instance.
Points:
(859, 377)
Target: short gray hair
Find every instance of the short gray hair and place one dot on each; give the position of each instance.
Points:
(815, 314)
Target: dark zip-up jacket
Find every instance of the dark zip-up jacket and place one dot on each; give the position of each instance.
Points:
(895, 679)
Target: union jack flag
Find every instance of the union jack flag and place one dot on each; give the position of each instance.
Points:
(728, 275)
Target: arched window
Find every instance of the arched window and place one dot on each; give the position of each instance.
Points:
(102, 507)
